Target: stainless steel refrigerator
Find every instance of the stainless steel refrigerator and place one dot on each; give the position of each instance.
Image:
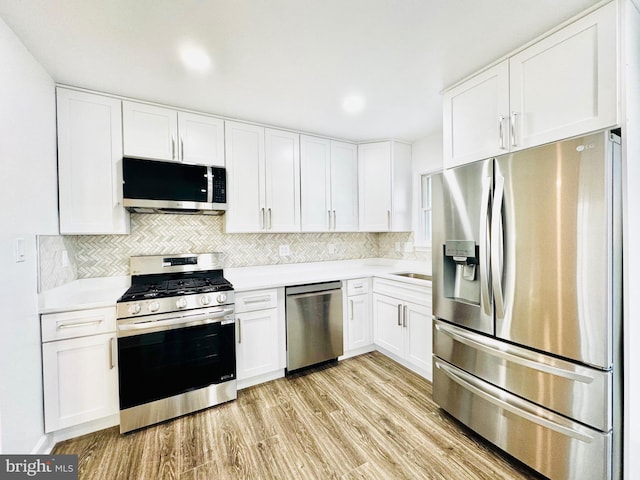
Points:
(527, 304)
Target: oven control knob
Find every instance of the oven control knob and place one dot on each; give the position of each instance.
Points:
(222, 297)
(181, 303)
(134, 309)
(205, 300)
(154, 306)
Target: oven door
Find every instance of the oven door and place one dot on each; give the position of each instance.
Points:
(163, 358)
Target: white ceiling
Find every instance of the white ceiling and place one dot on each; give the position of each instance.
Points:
(287, 63)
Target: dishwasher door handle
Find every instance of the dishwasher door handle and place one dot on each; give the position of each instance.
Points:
(312, 294)
(313, 288)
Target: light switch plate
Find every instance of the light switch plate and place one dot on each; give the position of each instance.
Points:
(284, 250)
(21, 255)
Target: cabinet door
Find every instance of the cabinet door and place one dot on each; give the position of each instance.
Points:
(80, 378)
(282, 177)
(257, 347)
(149, 131)
(418, 343)
(90, 164)
(566, 84)
(344, 186)
(388, 332)
(315, 183)
(374, 186)
(201, 139)
(401, 199)
(244, 145)
(359, 331)
(475, 117)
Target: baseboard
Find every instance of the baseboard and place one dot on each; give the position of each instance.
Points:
(88, 427)
(357, 351)
(425, 373)
(44, 445)
(267, 377)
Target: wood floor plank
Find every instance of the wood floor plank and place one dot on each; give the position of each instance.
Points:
(363, 418)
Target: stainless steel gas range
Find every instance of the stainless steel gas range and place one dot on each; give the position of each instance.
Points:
(176, 339)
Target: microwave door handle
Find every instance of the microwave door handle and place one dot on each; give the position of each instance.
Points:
(209, 184)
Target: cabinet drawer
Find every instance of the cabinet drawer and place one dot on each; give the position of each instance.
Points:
(58, 326)
(357, 286)
(256, 300)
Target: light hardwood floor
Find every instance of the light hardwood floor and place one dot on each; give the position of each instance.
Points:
(363, 418)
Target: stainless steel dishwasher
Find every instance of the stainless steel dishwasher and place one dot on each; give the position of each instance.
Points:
(314, 324)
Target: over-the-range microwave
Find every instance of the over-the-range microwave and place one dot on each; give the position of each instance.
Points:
(152, 186)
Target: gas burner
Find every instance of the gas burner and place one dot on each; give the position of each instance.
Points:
(169, 284)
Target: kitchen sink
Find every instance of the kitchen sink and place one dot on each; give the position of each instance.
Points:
(419, 276)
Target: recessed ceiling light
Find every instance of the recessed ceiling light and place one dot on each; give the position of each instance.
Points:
(195, 58)
(353, 104)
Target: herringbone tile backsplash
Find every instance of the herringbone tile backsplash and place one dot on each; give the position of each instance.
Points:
(108, 255)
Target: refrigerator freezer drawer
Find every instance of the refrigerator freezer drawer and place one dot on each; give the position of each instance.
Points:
(578, 392)
(549, 443)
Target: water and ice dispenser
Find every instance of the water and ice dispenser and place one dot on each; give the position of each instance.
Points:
(461, 271)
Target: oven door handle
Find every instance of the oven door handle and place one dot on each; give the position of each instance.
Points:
(187, 321)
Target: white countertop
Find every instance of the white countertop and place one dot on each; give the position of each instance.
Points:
(270, 276)
(104, 291)
(83, 294)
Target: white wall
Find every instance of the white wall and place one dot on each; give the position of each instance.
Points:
(427, 153)
(631, 219)
(426, 157)
(29, 207)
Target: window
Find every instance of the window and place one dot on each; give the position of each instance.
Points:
(424, 224)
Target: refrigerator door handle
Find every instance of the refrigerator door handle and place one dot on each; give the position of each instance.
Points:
(510, 354)
(497, 250)
(508, 402)
(484, 246)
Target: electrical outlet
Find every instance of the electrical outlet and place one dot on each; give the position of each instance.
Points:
(332, 248)
(398, 247)
(65, 259)
(284, 251)
(408, 247)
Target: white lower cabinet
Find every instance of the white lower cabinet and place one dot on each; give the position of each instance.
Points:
(260, 344)
(79, 365)
(402, 323)
(358, 326)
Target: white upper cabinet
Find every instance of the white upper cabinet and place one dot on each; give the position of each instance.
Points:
(563, 85)
(329, 185)
(566, 84)
(149, 131)
(90, 164)
(344, 186)
(244, 146)
(165, 134)
(201, 139)
(474, 117)
(263, 179)
(384, 187)
(282, 178)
